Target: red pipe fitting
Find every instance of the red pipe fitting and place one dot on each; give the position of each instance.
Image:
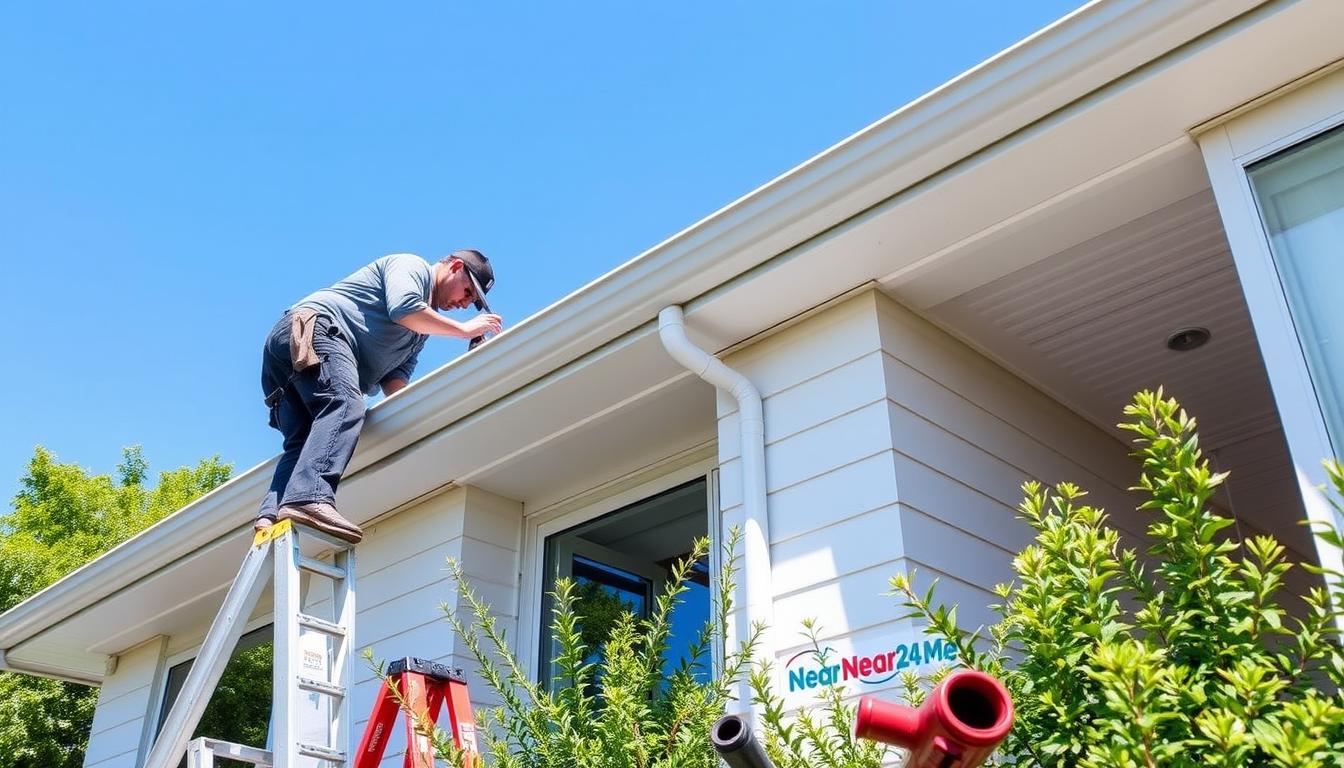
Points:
(958, 726)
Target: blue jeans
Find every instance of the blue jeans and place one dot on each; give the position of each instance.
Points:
(319, 414)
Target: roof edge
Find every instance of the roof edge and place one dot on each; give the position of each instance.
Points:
(1047, 71)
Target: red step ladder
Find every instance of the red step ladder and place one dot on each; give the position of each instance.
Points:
(424, 687)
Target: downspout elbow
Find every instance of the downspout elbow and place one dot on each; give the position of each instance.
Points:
(757, 594)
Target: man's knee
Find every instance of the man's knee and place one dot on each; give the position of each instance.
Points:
(355, 405)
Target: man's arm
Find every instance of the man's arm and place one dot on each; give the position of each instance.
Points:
(393, 386)
(431, 323)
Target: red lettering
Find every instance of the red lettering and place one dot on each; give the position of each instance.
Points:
(880, 664)
(851, 666)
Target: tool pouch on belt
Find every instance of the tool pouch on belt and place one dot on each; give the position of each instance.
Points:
(302, 323)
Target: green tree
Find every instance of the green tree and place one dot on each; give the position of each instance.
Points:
(63, 517)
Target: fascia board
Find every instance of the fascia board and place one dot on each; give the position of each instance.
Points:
(1062, 63)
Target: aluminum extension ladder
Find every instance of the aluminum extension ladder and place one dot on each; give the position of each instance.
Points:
(310, 713)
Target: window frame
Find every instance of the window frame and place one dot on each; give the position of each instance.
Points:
(631, 489)
(1295, 113)
(165, 667)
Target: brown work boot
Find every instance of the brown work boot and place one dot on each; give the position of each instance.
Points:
(323, 517)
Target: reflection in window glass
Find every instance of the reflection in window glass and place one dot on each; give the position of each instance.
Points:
(240, 708)
(620, 562)
(1301, 197)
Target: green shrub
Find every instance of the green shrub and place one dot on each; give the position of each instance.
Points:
(1189, 661)
(613, 709)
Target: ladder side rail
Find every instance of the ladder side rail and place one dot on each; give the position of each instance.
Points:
(208, 667)
(198, 756)
(435, 698)
(461, 720)
(415, 691)
(376, 732)
(343, 611)
(378, 729)
(286, 667)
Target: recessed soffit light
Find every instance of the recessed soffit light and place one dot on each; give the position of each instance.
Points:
(1187, 339)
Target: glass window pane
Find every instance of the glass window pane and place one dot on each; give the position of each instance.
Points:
(240, 707)
(1301, 197)
(621, 561)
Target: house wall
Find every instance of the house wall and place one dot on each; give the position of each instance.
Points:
(892, 446)
(127, 700)
(402, 586)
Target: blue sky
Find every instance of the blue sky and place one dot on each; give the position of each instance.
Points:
(173, 175)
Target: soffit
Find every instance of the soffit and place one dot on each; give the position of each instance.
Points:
(1089, 324)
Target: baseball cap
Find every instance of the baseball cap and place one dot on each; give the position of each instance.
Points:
(481, 273)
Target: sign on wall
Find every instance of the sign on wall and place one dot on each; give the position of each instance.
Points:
(860, 667)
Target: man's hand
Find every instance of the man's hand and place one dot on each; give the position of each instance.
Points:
(393, 386)
(482, 324)
(431, 323)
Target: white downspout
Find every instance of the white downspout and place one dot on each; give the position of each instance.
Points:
(755, 594)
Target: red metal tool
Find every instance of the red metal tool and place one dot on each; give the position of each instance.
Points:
(959, 725)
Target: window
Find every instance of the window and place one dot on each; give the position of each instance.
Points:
(621, 561)
(240, 708)
(1300, 193)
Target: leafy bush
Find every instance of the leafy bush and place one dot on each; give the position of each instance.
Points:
(612, 709)
(1189, 661)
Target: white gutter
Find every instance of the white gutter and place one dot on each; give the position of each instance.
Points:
(755, 587)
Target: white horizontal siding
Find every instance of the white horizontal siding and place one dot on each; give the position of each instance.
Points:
(969, 429)
(402, 605)
(804, 563)
(815, 452)
(960, 503)
(890, 446)
(115, 746)
(124, 707)
(827, 341)
(860, 486)
(976, 379)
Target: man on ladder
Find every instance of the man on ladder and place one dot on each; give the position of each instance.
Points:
(342, 342)
(360, 334)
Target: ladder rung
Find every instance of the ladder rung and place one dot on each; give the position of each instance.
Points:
(317, 566)
(321, 625)
(331, 689)
(340, 545)
(217, 748)
(322, 753)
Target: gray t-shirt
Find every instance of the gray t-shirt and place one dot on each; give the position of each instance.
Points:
(366, 307)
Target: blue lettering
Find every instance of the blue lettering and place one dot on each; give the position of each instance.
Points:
(796, 679)
(933, 650)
